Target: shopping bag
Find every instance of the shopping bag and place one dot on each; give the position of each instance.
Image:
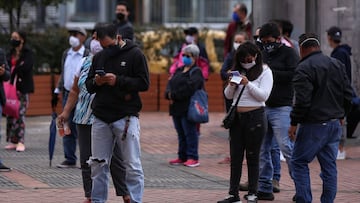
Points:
(12, 105)
(198, 108)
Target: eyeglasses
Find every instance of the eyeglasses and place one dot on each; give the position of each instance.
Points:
(186, 55)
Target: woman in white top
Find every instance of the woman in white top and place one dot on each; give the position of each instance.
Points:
(250, 123)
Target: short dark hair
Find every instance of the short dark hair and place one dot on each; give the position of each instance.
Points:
(22, 34)
(243, 8)
(269, 30)
(106, 30)
(308, 40)
(287, 27)
(123, 3)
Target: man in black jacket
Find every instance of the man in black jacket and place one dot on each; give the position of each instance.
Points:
(322, 98)
(282, 61)
(117, 75)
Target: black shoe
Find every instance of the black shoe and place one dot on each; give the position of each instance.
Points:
(265, 196)
(66, 164)
(294, 198)
(230, 199)
(244, 186)
(276, 186)
(4, 168)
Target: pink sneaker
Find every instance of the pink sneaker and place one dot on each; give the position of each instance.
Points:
(192, 163)
(176, 162)
(20, 147)
(10, 146)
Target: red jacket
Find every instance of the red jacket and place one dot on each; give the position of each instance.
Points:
(230, 32)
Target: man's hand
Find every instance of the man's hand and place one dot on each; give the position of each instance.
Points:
(292, 132)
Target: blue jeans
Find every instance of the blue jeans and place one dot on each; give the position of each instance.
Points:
(104, 136)
(69, 141)
(187, 137)
(275, 158)
(278, 126)
(322, 141)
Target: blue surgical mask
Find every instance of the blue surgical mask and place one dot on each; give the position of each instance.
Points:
(186, 60)
(235, 17)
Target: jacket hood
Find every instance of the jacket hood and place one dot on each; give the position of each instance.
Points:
(345, 47)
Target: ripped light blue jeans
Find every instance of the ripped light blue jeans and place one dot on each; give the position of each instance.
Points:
(104, 137)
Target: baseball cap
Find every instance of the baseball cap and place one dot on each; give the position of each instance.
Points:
(191, 31)
(334, 32)
(77, 29)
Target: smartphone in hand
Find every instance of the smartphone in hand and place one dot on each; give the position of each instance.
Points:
(236, 77)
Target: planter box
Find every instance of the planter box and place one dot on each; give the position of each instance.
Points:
(153, 99)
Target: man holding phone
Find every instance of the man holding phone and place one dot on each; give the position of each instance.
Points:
(116, 108)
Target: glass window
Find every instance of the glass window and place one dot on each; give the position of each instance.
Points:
(85, 11)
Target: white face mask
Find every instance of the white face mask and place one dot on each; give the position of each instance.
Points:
(95, 46)
(236, 45)
(247, 66)
(189, 39)
(74, 41)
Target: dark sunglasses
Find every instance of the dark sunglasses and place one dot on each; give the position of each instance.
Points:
(186, 55)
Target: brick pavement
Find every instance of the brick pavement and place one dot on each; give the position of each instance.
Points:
(32, 180)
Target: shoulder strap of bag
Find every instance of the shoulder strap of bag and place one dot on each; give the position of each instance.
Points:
(238, 98)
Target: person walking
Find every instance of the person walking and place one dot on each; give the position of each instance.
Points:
(249, 128)
(239, 23)
(282, 61)
(4, 76)
(21, 61)
(342, 52)
(181, 86)
(117, 75)
(322, 99)
(71, 59)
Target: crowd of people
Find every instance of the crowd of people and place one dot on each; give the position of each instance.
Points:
(289, 94)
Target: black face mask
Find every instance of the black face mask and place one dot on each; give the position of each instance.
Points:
(271, 47)
(120, 16)
(15, 43)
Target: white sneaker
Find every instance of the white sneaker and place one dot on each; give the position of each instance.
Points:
(341, 155)
(282, 158)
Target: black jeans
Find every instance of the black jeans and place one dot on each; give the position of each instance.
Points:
(84, 136)
(246, 135)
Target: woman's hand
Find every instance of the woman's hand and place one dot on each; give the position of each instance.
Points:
(244, 80)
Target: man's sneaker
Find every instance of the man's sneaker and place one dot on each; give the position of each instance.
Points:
(276, 186)
(4, 168)
(192, 163)
(244, 186)
(66, 164)
(341, 155)
(230, 199)
(176, 162)
(251, 198)
(265, 196)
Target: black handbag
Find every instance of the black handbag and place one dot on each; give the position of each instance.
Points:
(230, 115)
